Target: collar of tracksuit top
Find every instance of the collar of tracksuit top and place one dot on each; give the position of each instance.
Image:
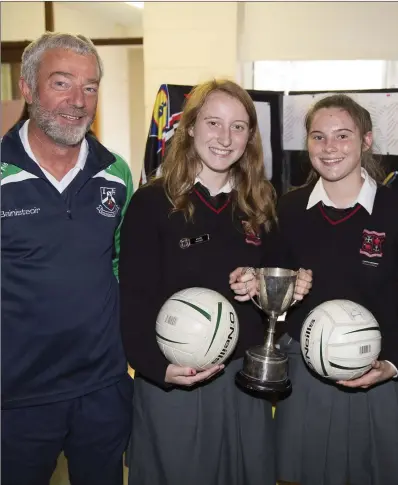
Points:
(13, 152)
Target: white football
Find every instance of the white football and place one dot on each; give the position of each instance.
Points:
(197, 327)
(340, 339)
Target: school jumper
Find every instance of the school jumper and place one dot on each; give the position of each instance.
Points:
(213, 433)
(327, 434)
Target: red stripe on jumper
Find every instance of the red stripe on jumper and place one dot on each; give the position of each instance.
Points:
(334, 223)
(217, 211)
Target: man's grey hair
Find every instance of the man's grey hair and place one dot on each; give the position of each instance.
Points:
(32, 55)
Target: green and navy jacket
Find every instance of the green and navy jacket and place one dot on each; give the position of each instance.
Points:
(59, 278)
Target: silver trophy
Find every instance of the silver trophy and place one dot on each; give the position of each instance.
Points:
(265, 368)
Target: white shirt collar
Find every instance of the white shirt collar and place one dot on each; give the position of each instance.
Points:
(366, 196)
(227, 188)
(81, 159)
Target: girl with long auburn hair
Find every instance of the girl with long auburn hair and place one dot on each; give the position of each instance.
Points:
(191, 427)
(255, 196)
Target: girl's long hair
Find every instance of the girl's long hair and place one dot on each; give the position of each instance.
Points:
(255, 196)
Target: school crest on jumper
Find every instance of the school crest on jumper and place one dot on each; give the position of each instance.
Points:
(372, 243)
(108, 207)
(252, 237)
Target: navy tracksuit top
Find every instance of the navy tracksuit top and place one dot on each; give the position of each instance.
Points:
(60, 301)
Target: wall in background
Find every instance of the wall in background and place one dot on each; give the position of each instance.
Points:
(320, 30)
(187, 43)
(138, 131)
(114, 103)
(21, 20)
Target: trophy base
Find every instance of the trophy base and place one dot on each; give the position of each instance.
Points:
(263, 387)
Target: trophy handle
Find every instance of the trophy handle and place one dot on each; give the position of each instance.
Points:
(253, 271)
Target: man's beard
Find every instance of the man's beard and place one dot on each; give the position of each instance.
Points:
(47, 121)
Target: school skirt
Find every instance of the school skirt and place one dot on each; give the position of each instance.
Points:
(214, 434)
(327, 435)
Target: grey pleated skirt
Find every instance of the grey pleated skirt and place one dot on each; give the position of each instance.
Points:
(327, 435)
(214, 434)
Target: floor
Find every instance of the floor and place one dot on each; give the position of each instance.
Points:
(60, 476)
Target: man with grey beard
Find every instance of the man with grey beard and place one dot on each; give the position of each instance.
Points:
(65, 384)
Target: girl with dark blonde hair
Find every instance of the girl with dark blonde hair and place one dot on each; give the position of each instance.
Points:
(255, 196)
(191, 427)
(344, 226)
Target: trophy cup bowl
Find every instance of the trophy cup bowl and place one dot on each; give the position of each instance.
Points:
(265, 368)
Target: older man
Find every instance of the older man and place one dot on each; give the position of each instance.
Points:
(64, 376)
